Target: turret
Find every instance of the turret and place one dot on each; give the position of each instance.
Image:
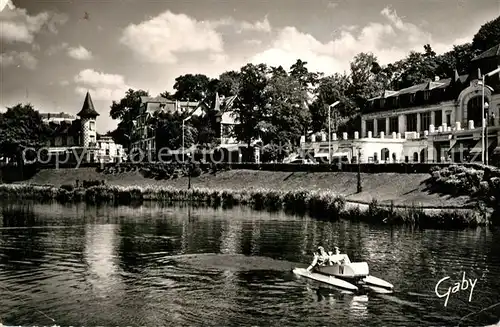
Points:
(88, 117)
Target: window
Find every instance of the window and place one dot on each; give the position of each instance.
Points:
(107, 152)
(438, 118)
(448, 118)
(411, 122)
(92, 125)
(394, 124)
(425, 121)
(369, 126)
(380, 125)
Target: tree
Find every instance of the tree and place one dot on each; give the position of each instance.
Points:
(21, 127)
(229, 83)
(251, 102)
(366, 80)
(331, 89)
(488, 36)
(303, 75)
(126, 110)
(191, 87)
(286, 115)
(420, 67)
(169, 131)
(167, 95)
(128, 106)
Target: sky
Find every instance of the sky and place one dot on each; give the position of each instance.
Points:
(53, 51)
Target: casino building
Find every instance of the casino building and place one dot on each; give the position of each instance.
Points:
(436, 121)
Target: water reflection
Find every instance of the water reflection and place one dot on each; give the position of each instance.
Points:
(101, 258)
(154, 265)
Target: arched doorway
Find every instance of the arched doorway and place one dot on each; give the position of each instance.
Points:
(415, 156)
(384, 154)
(423, 156)
(474, 110)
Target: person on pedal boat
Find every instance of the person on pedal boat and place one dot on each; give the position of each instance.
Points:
(321, 258)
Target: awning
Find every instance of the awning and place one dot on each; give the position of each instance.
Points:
(478, 148)
(340, 154)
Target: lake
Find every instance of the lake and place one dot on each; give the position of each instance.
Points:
(157, 265)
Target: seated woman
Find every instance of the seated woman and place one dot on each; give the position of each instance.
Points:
(321, 258)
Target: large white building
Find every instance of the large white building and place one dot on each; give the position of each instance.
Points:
(436, 121)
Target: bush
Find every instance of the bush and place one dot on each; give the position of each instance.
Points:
(91, 183)
(196, 172)
(68, 187)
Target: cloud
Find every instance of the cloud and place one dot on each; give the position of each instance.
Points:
(53, 49)
(259, 26)
(253, 42)
(79, 53)
(102, 86)
(18, 26)
(390, 40)
(164, 37)
(332, 5)
(14, 58)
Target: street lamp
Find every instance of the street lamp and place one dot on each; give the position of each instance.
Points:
(486, 115)
(330, 131)
(484, 106)
(183, 121)
(359, 188)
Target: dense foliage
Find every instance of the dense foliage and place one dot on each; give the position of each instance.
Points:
(481, 183)
(21, 127)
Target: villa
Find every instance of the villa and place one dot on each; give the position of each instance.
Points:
(78, 136)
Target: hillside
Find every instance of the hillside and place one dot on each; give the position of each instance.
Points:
(403, 189)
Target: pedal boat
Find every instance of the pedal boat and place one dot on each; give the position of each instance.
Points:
(344, 274)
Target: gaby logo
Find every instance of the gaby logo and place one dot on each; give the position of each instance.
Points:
(6, 3)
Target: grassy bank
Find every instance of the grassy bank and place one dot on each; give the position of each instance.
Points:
(317, 203)
(399, 189)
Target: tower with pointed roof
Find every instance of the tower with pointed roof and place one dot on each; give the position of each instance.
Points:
(88, 116)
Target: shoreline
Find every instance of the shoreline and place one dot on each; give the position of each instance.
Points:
(316, 203)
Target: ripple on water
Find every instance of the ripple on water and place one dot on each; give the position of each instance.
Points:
(157, 267)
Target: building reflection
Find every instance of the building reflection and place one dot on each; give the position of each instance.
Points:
(231, 237)
(101, 258)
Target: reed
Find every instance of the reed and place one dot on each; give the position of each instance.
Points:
(317, 203)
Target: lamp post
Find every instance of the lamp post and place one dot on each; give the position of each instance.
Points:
(330, 131)
(359, 188)
(483, 106)
(183, 121)
(486, 119)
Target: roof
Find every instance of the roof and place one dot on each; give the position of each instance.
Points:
(61, 115)
(490, 53)
(66, 128)
(431, 85)
(88, 108)
(157, 99)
